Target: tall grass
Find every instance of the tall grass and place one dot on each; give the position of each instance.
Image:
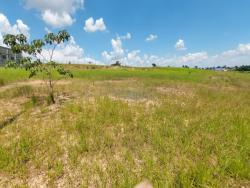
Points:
(118, 127)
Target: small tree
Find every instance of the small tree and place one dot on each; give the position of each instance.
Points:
(33, 50)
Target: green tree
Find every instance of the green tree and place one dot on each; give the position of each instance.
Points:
(33, 53)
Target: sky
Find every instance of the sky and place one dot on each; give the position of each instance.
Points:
(200, 33)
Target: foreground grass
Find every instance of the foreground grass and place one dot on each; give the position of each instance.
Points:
(115, 128)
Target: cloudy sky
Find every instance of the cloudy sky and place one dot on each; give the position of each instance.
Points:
(137, 32)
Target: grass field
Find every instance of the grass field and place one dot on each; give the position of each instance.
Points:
(116, 127)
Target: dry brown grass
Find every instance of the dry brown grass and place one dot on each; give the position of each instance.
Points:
(117, 133)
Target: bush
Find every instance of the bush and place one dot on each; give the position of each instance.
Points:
(243, 68)
(2, 82)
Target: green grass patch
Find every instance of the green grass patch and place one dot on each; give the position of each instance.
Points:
(117, 127)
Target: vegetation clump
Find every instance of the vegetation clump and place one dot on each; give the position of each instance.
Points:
(243, 68)
(116, 64)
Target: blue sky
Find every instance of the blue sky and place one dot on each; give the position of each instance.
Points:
(192, 32)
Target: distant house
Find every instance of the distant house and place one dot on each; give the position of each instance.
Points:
(221, 69)
(6, 54)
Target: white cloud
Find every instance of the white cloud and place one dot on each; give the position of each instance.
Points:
(55, 5)
(243, 49)
(1, 40)
(107, 56)
(151, 37)
(70, 52)
(57, 19)
(7, 28)
(47, 30)
(238, 56)
(180, 45)
(117, 53)
(125, 37)
(22, 28)
(56, 13)
(126, 57)
(234, 57)
(117, 47)
(133, 57)
(193, 57)
(92, 26)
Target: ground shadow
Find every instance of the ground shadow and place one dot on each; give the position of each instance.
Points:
(9, 120)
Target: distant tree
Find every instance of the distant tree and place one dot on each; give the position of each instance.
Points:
(243, 68)
(116, 64)
(154, 65)
(32, 62)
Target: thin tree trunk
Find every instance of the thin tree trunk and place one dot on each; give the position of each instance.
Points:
(51, 88)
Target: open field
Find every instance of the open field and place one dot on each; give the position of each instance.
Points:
(115, 127)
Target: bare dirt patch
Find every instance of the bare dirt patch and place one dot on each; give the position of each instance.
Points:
(145, 101)
(178, 91)
(116, 82)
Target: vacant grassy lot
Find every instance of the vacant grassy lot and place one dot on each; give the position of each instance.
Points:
(118, 127)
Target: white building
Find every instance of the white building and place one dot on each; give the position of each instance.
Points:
(6, 54)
